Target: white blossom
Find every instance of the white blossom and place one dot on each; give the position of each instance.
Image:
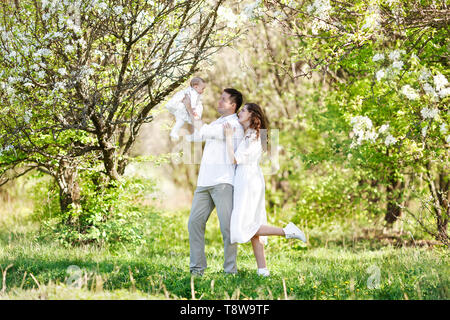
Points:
(82, 42)
(60, 86)
(12, 80)
(397, 64)
(28, 115)
(440, 81)
(428, 113)
(361, 122)
(42, 52)
(444, 92)
(251, 11)
(443, 128)
(395, 55)
(102, 5)
(428, 88)
(99, 54)
(409, 92)
(7, 148)
(41, 74)
(372, 20)
(362, 128)
(447, 139)
(69, 49)
(118, 10)
(391, 2)
(321, 10)
(10, 91)
(371, 135)
(73, 26)
(383, 128)
(424, 131)
(62, 71)
(12, 54)
(378, 57)
(390, 140)
(424, 75)
(380, 74)
(228, 15)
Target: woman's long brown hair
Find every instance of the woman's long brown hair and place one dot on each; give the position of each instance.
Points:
(258, 121)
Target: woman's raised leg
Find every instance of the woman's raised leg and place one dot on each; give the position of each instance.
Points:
(265, 230)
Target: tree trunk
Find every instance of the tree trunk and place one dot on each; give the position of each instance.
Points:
(442, 234)
(69, 190)
(394, 190)
(110, 162)
(440, 194)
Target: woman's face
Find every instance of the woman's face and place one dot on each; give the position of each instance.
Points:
(244, 115)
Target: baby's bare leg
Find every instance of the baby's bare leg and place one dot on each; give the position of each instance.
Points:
(176, 128)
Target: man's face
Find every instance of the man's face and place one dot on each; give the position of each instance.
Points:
(225, 106)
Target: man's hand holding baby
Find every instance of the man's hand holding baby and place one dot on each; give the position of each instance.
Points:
(194, 116)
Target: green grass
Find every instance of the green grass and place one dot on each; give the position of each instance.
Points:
(160, 269)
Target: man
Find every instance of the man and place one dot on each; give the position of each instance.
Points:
(215, 182)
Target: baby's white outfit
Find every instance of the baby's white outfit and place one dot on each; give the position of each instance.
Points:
(176, 107)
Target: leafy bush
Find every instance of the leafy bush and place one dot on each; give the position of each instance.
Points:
(106, 216)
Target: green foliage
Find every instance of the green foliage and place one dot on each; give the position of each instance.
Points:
(382, 108)
(106, 215)
(337, 195)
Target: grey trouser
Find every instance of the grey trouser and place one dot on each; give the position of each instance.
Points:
(205, 199)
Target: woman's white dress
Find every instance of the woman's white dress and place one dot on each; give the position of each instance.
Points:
(249, 210)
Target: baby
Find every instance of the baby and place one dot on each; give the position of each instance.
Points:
(178, 109)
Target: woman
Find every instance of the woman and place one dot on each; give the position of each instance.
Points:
(248, 219)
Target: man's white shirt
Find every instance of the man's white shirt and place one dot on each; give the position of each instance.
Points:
(216, 166)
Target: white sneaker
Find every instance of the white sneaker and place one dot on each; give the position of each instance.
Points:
(263, 272)
(174, 137)
(292, 231)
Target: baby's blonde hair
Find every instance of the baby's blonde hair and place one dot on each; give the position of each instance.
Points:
(196, 80)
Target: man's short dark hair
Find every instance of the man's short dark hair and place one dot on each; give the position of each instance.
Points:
(235, 97)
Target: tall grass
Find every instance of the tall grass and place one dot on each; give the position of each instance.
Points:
(41, 269)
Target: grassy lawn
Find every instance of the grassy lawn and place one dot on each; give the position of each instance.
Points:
(39, 269)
